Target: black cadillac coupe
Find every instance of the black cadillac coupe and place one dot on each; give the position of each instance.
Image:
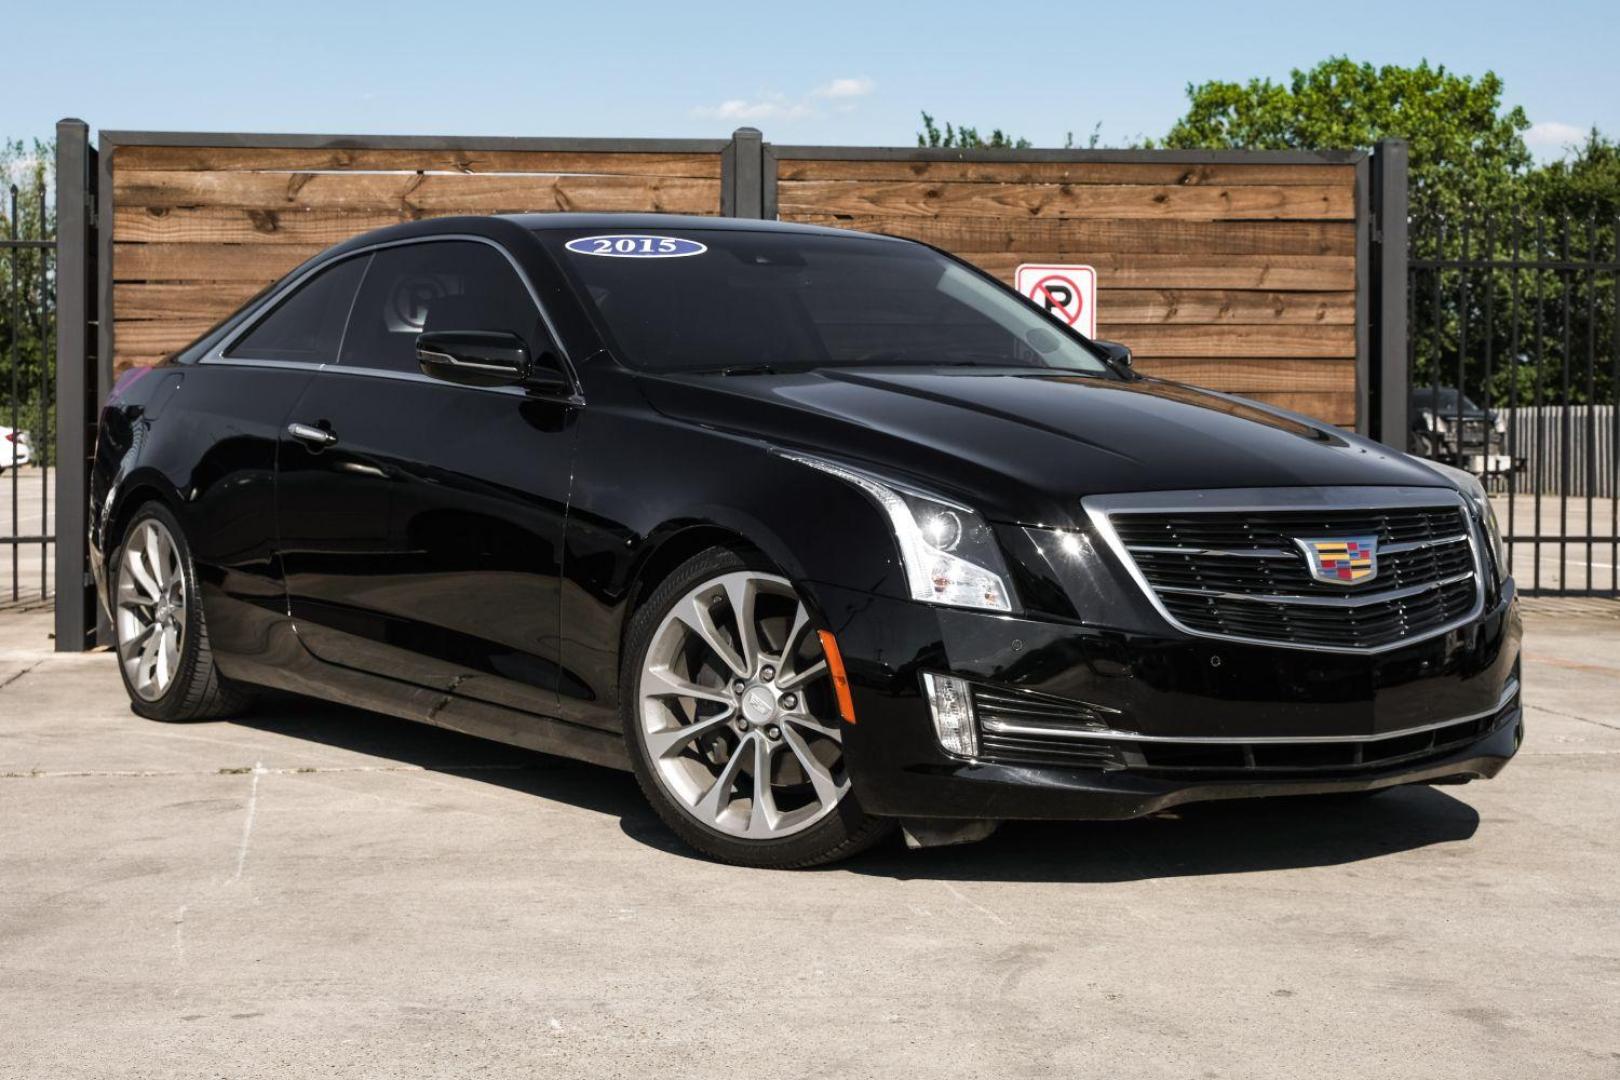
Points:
(818, 532)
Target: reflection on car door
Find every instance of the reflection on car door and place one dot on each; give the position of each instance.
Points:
(422, 521)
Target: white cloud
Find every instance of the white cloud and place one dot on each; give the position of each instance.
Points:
(774, 107)
(1551, 137)
(840, 95)
(860, 86)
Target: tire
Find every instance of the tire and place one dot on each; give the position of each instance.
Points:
(760, 705)
(161, 636)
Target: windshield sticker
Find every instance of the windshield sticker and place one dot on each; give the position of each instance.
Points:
(635, 246)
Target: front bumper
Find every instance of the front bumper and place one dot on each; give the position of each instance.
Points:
(1166, 687)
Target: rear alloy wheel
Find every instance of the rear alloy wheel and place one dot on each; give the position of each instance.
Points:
(151, 610)
(162, 643)
(734, 730)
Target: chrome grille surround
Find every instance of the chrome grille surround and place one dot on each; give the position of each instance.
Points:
(1262, 594)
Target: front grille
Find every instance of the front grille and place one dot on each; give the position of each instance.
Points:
(1050, 731)
(1243, 575)
(1475, 433)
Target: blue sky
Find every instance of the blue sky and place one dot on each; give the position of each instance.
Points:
(829, 72)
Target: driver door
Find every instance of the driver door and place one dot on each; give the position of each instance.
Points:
(422, 520)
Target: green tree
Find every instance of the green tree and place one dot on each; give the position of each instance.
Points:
(1566, 209)
(1583, 185)
(27, 291)
(1475, 194)
(1467, 150)
(966, 138)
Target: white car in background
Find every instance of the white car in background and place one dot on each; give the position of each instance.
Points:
(15, 449)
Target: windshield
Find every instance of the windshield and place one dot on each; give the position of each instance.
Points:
(772, 301)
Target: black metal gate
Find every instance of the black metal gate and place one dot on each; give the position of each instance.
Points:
(27, 406)
(1514, 354)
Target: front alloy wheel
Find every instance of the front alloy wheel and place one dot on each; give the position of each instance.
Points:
(735, 730)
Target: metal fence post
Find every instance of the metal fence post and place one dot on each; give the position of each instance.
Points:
(75, 383)
(742, 172)
(1391, 390)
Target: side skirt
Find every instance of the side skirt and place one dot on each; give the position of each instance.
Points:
(281, 661)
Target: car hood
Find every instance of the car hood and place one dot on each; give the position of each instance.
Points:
(1026, 447)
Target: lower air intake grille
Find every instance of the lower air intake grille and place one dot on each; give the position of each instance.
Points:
(1033, 729)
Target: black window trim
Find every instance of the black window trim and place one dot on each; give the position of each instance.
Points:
(268, 304)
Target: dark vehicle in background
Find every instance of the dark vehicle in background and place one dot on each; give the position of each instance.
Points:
(815, 531)
(1447, 426)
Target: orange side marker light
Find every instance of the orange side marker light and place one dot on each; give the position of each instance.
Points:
(840, 681)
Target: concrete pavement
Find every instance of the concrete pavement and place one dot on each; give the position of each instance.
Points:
(311, 891)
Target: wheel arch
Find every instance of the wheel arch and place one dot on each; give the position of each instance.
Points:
(139, 488)
(675, 542)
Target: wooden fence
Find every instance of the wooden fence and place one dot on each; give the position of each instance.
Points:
(198, 229)
(1230, 271)
(1239, 271)
(1276, 275)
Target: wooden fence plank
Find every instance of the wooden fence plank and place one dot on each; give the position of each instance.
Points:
(1211, 341)
(1276, 272)
(166, 333)
(1196, 203)
(158, 337)
(214, 225)
(473, 193)
(1243, 376)
(344, 159)
(1069, 239)
(1125, 306)
(259, 263)
(1337, 407)
(205, 300)
(1225, 306)
(1054, 172)
(209, 225)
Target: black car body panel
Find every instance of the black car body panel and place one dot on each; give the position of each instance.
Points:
(1025, 447)
(468, 556)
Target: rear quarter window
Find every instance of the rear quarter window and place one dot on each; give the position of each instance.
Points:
(307, 326)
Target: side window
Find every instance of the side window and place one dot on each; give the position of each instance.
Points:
(443, 285)
(308, 325)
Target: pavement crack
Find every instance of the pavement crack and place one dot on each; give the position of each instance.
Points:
(1575, 716)
(15, 675)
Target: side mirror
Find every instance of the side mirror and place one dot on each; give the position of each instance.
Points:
(1115, 353)
(473, 357)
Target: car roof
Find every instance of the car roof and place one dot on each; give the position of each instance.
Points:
(571, 221)
(497, 225)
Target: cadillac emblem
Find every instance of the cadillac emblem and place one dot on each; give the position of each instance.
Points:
(1341, 560)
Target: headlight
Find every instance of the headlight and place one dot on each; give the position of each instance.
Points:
(1484, 512)
(949, 554)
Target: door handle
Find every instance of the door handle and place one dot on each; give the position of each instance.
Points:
(311, 434)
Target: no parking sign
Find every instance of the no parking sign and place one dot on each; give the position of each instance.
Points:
(1068, 293)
